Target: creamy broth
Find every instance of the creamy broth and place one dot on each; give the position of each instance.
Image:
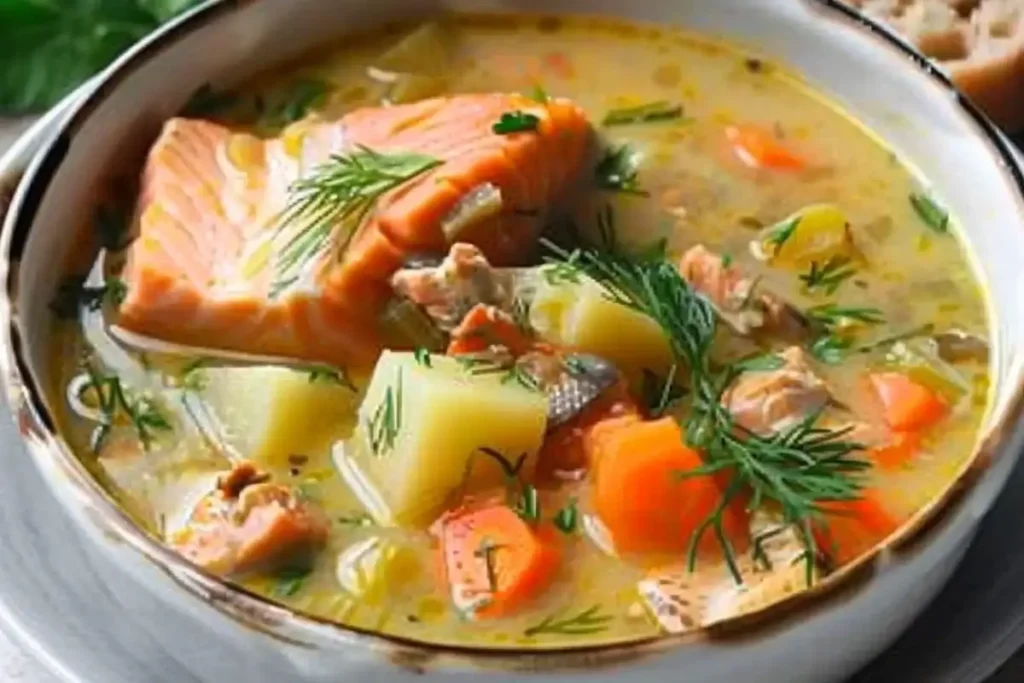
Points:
(696, 191)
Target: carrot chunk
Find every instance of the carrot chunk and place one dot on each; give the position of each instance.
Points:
(852, 528)
(758, 148)
(493, 561)
(896, 452)
(907, 405)
(645, 503)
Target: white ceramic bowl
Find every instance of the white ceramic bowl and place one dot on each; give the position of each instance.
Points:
(822, 635)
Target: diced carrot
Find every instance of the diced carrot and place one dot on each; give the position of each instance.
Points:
(494, 562)
(851, 528)
(485, 326)
(758, 148)
(907, 405)
(567, 448)
(896, 452)
(645, 503)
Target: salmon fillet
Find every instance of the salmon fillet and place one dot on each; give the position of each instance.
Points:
(203, 266)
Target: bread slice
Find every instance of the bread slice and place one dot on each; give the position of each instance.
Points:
(980, 43)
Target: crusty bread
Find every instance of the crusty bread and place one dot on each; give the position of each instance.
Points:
(979, 42)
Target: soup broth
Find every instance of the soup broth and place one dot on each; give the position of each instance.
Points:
(696, 143)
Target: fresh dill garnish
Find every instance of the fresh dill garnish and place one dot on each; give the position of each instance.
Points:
(796, 469)
(659, 394)
(289, 581)
(329, 374)
(662, 110)
(334, 200)
(510, 371)
(828, 275)
(486, 552)
(726, 260)
(830, 349)
(762, 362)
(617, 171)
(528, 505)
(584, 623)
(930, 212)
(833, 315)
(567, 518)
(516, 122)
(539, 94)
(357, 519)
(780, 233)
(521, 496)
(422, 357)
(113, 401)
(73, 295)
(386, 421)
(520, 375)
(607, 235)
(921, 331)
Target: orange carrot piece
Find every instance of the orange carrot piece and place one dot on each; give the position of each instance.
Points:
(643, 501)
(896, 452)
(568, 447)
(485, 326)
(907, 405)
(758, 148)
(852, 528)
(494, 562)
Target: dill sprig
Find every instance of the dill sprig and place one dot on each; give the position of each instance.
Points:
(797, 468)
(73, 295)
(584, 623)
(929, 211)
(385, 422)
(114, 401)
(336, 198)
(833, 315)
(828, 275)
(567, 518)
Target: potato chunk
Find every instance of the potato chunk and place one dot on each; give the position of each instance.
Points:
(580, 316)
(421, 429)
(268, 413)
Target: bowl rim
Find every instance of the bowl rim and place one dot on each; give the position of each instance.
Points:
(38, 427)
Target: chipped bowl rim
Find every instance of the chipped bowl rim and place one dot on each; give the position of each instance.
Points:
(292, 627)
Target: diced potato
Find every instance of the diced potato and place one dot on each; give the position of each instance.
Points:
(814, 233)
(582, 317)
(269, 413)
(420, 433)
(372, 569)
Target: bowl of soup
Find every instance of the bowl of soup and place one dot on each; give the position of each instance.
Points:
(493, 338)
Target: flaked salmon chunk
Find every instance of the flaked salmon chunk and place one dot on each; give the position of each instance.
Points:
(203, 269)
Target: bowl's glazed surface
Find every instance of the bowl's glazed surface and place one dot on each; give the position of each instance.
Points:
(822, 635)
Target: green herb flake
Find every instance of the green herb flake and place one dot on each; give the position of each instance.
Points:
(539, 95)
(660, 394)
(780, 233)
(662, 110)
(567, 518)
(617, 171)
(930, 212)
(73, 295)
(422, 357)
(587, 622)
(194, 377)
(528, 506)
(386, 421)
(516, 122)
(762, 362)
(356, 519)
(328, 374)
(113, 400)
(828, 276)
(833, 315)
(830, 349)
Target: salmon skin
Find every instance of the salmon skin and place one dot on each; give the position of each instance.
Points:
(202, 269)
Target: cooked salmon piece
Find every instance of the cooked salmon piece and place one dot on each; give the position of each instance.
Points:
(769, 401)
(250, 524)
(739, 299)
(205, 268)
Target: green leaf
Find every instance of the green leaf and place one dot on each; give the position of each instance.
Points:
(567, 519)
(290, 581)
(617, 171)
(49, 47)
(515, 122)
